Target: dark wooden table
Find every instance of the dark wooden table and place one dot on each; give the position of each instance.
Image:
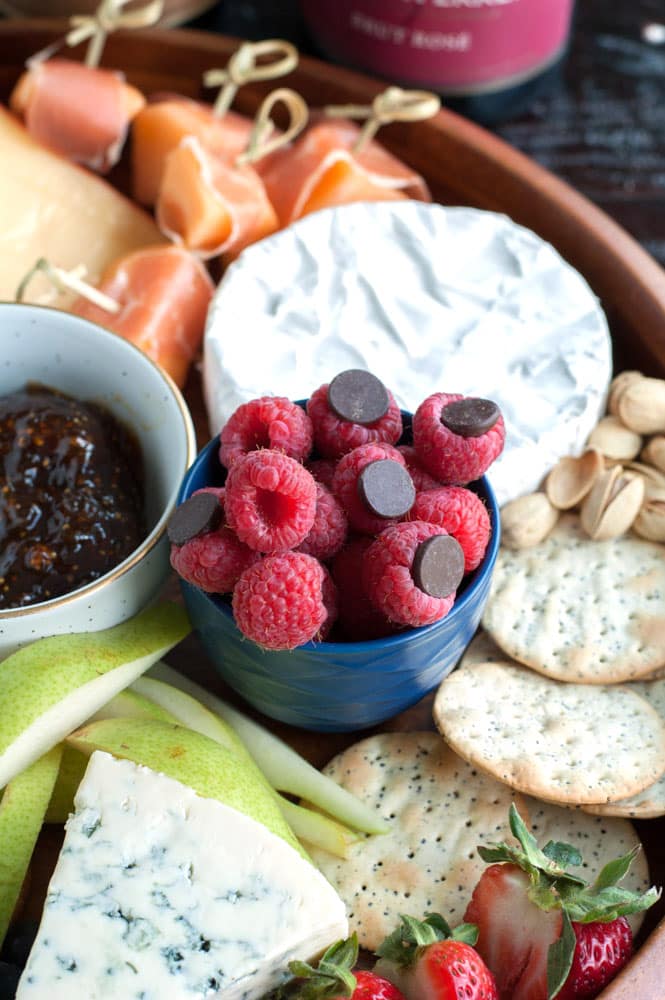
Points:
(602, 126)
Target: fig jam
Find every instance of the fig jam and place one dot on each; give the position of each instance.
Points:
(71, 495)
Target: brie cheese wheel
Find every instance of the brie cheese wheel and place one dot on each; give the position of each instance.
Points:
(430, 299)
(159, 893)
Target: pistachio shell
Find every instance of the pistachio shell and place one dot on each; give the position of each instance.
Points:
(651, 475)
(527, 521)
(613, 504)
(650, 522)
(617, 386)
(571, 478)
(654, 452)
(641, 406)
(616, 441)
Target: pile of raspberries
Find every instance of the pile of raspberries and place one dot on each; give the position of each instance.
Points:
(325, 520)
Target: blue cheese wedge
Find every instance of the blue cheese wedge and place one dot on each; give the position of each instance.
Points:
(430, 299)
(159, 894)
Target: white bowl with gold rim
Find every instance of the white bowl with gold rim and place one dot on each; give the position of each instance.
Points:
(82, 360)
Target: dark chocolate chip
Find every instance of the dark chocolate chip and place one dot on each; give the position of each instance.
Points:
(386, 488)
(470, 417)
(196, 516)
(438, 565)
(358, 396)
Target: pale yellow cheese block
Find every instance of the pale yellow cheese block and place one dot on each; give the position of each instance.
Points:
(51, 208)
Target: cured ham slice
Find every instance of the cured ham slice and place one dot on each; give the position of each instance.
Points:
(80, 111)
(320, 170)
(210, 204)
(160, 127)
(164, 293)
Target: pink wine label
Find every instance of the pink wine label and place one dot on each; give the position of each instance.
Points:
(456, 46)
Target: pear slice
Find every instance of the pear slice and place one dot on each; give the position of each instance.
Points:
(316, 829)
(285, 769)
(210, 769)
(55, 684)
(127, 704)
(22, 810)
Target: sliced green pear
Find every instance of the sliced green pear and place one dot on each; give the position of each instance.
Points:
(193, 759)
(22, 810)
(307, 825)
(189, 711)
(55, 684)
(285, 769)
(318, 830)
(127, 704)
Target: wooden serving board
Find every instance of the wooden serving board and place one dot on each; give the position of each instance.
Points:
(464, 165)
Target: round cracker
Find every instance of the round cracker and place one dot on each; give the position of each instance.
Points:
(580, 610)
(649, 803)
(440, 809)
(598, 839)
(565, 743)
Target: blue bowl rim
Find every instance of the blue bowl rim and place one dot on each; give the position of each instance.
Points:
(393, 642)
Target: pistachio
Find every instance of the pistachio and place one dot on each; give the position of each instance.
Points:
(650, 522)
(614, 440)
(654, 452)
(613, 503)
(641, 406)
(650, 474)
(617, 386)
(571, 478)
(527, 521)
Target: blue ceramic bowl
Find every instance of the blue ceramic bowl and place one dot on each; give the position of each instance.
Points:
(336, 686)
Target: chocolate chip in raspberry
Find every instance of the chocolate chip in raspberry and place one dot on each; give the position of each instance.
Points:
(470, 417)
(438, 565)
(196, 516)
(386, 488)
(358, 396)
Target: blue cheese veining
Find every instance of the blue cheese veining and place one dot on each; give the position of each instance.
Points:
(159, 893)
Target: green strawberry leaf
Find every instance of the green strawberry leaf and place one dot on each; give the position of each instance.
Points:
(546, 865)
(498, 852)
(437, 923)
(615, 870)
(560, 958)
(332, 977)
(562, 854)
(403, 945)
(608, 904)
(468, 933)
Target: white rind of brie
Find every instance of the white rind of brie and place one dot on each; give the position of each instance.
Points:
(430, 299)
(159, 893)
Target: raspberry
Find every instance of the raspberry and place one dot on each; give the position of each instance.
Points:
(284, 600)
(420, 476)
(323, 470)
(345, 485)
(358, 618)
(328, 532)
(387, 575)
(450, 457)
(214, 561)
(463, 515)
(270, 501)
(334, 436)
(268, 422)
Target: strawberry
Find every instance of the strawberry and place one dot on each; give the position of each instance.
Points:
(428, 961)
(543, 931)
(333, 978)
